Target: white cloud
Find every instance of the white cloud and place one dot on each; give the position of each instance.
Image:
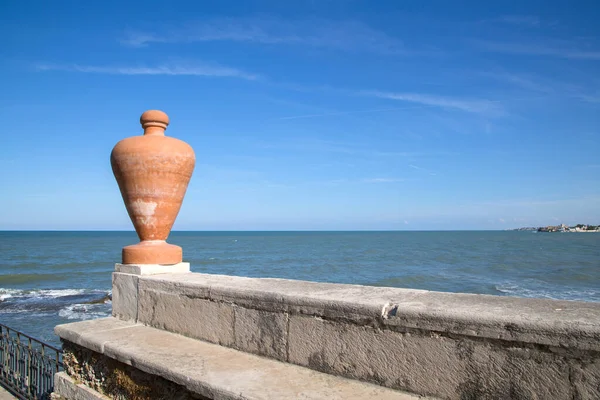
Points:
(422, 169)
(341, 35)
(571, 202)
(553, 87)
(523, 20)
(166, 69)
(521, 81)
(337, 113)
(560, 50)
(313, 145)
(347, 181)
(590, 98)
(383, 180)
(467, 105)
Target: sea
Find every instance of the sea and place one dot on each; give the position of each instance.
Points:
(50, 278)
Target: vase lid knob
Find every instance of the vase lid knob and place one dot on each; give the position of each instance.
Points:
(154, 118)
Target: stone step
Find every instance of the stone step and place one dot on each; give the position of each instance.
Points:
(210, 370)
(5, 394)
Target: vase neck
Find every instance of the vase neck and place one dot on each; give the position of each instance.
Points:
(154, 131)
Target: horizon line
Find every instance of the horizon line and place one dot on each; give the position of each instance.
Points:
(263, 230)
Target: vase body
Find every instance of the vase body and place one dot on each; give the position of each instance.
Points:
(153, 172)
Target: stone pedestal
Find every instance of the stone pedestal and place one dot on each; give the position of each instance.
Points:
(153, 269)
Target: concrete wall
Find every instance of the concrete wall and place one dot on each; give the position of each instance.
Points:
(125, 360)
(451, 346)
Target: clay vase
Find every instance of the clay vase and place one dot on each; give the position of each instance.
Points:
(153, 172)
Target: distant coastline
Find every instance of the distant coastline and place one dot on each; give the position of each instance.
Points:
(562, 228)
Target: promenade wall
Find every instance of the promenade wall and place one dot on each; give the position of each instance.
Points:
(442, 345)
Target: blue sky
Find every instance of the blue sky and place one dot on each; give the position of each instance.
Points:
(307, 114)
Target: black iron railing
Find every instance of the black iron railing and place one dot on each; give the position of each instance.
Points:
(27, 365)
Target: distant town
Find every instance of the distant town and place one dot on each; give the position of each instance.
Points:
(562, 228)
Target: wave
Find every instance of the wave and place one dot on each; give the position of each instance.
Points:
(515, 290)
(72, 303)
(83, 311)
(47, 293)
(548, 293)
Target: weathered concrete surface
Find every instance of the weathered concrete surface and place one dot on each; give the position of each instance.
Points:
(187, 315)
(103, 375)
(454, 346)
(5, 395)
(261, 332)
(68, 389)
(215, 372)
(124, 296)
(433, 364)
(91, 334)
(539, 321)
(153, 269)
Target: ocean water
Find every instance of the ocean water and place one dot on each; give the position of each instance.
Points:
(49, 278)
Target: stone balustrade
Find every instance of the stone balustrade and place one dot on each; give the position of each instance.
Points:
(442, 345)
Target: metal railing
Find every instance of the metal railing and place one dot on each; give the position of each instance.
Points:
(27, 365)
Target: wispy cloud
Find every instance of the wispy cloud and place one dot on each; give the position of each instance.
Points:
(277, 185)
(487, 107)
(554, 87)
(383, 180)
(354, 149)
(567, 50)
(523, 20)
(467, 105)
(422, 169)
(347, 181)
(352, 112)
(208, 70)
(588, 199)
(590, 98)
(311, 145)
(341, 35)
(524, 82)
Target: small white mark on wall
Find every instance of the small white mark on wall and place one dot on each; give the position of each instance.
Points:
(389, 310)
(144, 208)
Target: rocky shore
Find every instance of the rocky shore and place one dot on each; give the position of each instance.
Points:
(562, 228)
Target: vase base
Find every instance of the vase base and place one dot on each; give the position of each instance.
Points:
(152, 252)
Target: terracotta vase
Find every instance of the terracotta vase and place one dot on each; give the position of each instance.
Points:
(153, 172)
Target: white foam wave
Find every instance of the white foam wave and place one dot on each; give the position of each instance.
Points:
(522, 292)
(29, 316)
(60, 293)
(47, 293)
(547, 293)
(9, 291)
(82, 312)
(5, 296)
